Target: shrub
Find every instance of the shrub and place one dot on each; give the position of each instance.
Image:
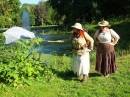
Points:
(20, 63)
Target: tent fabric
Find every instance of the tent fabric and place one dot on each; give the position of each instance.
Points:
(15, 33)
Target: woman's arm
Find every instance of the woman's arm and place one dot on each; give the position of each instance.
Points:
(65, 40)
(115, 35)
(90, 39)
(115, 41)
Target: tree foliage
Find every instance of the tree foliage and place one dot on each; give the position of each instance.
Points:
(41, 12)
(15, 12)
(10, 9)
(61, 12)
(90, 10)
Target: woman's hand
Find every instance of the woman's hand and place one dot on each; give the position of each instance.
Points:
(59, 41)
(88, 50)
(111, 43)
(115, 41)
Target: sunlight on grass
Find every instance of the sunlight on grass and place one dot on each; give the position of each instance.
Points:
(116, 85)
(64, 83)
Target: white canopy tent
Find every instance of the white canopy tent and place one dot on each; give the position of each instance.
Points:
(15, 33)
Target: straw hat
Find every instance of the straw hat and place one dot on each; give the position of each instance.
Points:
(104, 23)
(77, 26)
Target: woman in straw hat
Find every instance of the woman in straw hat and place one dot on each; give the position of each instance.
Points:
(80, 49)
(105, 56)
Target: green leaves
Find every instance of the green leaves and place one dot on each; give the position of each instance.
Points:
(20, 63)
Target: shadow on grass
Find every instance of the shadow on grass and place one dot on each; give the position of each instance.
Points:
(94, 75)
(69, 75)
(66, 75)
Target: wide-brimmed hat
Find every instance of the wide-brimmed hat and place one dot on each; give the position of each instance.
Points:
(77, 26)
(104, 23)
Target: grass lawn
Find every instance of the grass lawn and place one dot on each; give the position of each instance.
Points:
(64, 83)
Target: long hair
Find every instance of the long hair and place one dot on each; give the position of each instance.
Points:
(100, 30)
(80, 33)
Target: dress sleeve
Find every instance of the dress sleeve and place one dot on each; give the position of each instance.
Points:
(66, 40)
(114, 34)
(90, 39)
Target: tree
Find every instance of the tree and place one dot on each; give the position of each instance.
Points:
(41, 12)
(73, 10)
(5, 9)
(89, 10)
(32, 14)
(15, 12)
(2, 21)
(52, 15)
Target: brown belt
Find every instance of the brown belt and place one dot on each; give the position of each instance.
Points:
(84, 46)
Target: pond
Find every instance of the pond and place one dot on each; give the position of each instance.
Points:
(56, 48)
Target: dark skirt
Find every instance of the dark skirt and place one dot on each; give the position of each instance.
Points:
(105, 59)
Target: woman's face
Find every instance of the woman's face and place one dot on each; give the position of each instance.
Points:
(75, 30)
(104, 27)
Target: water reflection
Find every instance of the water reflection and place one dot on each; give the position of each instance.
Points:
(55, 48)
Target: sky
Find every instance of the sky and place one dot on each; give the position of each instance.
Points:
(29, 1)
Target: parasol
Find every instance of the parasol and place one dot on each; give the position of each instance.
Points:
(15, 33)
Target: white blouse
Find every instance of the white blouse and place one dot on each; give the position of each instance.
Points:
(106, 37)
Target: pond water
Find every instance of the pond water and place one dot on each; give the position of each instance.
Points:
(55, 48)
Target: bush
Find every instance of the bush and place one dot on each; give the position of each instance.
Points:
(20, 63)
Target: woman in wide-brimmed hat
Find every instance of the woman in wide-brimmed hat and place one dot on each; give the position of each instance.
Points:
(80, 49)
(105, 56)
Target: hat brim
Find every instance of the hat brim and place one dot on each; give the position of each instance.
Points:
(103, 25)
(76, 27)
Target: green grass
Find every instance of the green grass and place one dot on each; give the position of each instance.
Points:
(64, 84)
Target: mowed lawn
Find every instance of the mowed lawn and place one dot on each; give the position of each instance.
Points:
(65, 84)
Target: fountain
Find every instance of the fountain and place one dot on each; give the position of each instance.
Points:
(25, 20)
